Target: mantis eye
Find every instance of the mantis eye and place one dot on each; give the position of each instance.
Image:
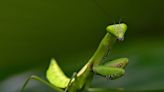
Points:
(117, 30)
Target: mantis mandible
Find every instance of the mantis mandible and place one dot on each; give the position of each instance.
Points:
(80, 81)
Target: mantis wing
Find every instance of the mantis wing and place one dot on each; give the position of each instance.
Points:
(56, 76)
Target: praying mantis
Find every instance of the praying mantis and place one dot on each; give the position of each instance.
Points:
(80, 81)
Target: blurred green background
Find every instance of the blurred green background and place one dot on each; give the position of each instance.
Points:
(34, 31)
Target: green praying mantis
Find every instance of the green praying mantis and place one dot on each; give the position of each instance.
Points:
(80, 81)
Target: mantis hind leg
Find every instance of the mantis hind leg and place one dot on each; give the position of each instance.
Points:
(34, 77)
(72, 79)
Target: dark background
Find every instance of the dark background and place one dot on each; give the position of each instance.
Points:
(34, 31)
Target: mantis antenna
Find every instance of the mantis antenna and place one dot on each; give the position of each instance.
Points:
(101, 8)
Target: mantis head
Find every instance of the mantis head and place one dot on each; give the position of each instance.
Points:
(118, 30)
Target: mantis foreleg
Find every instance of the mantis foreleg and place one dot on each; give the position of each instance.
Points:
(109, 72)
(119, 63)
(112, 69)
